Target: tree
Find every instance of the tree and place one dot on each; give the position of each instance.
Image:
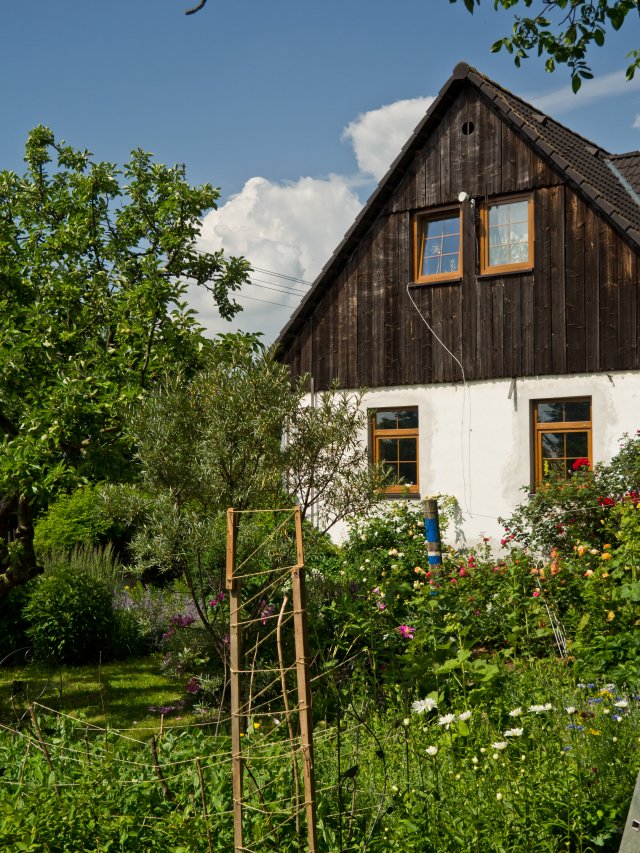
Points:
(216, 441)
(94, 265)
(578, 25)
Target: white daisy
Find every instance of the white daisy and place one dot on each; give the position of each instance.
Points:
(422, 705)
(446, 720)
(501, 744)
(513, 732)
(432, 750)
(464, 715)
(516, 712)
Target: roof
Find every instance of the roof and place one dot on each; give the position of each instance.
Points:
(609, 182)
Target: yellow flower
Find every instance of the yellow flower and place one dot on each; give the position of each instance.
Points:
(606, 556)
(604, 547)
(593, 731)
(581, 549)
(604, 575)
(611, 616)
(257, 725)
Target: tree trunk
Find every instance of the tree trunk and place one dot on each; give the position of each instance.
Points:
(18, 562)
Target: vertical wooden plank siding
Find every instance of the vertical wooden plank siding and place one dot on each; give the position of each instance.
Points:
(578, 311)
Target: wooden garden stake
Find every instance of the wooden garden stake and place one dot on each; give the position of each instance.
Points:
(234, 587)
(304, 687)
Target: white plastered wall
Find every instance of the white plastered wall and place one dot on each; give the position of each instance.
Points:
(475, 440)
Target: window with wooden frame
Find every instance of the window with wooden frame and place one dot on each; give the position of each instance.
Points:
(562, 437)
(437, 242)
(394, 442)
(506, 235)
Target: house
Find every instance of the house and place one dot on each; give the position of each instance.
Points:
(487, 296)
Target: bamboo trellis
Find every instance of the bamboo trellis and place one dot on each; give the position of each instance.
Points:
(242, 616)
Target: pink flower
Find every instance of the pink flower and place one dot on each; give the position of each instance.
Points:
(462, 572)
(454, 580)
(406, 632)
(536, 593)
(381, 605)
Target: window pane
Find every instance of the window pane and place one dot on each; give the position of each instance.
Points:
(388, 449)
(552, 444)
(577, 445)
(519, 253)
(553, 468)
(407, 449)
(407, 419)
(519, 233)
(499, 236)
(431, 266)
(550, 413)
(408, 473)
(433, 246)
(434, 228)
(441, 237)
(578, 411)
(452, 226)
(450, 245)
(450, 263)
(498, 214)
(519, 211)
(386, 420)
(498, 255)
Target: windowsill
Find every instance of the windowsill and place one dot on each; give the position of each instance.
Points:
(400, 496)
(440, 283)
(501, 273)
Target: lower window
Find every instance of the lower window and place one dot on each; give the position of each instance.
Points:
(394, 434)
(562, 437)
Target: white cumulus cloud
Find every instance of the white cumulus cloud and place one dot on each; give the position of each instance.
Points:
(377, 136)
(292, 228)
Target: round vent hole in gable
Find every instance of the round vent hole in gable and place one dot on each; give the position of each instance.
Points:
(468, 127)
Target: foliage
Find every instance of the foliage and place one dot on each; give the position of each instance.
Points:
(71, 520)
(94, 264)
(580, 25)
(326, 464)
(70, 616)
(562, 513)
(544, 766)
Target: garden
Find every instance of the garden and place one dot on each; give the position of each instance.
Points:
(490, 705)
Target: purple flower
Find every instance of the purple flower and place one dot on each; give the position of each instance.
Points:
(267, 611)
(406, 632)
(193, 685)
(217, 600)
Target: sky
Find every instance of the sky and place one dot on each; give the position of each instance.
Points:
(294, 109)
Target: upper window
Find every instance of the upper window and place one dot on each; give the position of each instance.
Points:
(394, 435)
(506, 237)
(562, 439)
(437, 247)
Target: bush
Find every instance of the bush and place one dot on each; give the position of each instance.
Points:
(72, 520)
(70, 616)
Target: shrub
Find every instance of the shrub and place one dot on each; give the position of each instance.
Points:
(70, 615)
(72, 520)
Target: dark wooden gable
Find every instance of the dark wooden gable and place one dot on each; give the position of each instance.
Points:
(577, 312)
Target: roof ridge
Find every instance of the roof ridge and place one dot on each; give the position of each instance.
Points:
(504, 91)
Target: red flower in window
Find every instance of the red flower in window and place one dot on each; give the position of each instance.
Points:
(580, 463)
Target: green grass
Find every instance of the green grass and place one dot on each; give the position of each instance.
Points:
(117, 695)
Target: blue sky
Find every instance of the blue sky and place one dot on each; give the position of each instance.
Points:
(255, 97)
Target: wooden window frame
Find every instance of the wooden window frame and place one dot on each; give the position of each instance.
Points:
(418, 238)
(539, 429)
(414, 432)
(498, 269)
